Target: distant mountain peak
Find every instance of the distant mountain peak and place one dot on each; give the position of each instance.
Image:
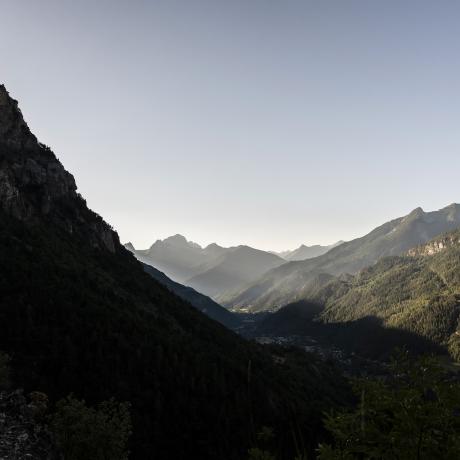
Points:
(417, 212)
(177, 237)
(304, 251)
(414, 215)
(213, 246)
(130, 247)
(179, 241)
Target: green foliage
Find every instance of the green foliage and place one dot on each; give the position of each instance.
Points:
(419, 295)
(413, 415)
(4, 370)
(84, 432)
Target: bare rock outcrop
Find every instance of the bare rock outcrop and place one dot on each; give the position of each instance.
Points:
(22, 435)
(35, 186)
(437, 245)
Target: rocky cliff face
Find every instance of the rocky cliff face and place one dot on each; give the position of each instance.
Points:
(35, 185)
(22, 435)
(437, 245)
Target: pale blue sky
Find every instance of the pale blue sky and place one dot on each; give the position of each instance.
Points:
(269, 123)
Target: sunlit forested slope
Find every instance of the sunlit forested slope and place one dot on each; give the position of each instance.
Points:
(410, 298)
(418, 292)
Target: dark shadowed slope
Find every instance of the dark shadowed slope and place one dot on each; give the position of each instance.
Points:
(79, 314)
(199, 301)
(292, 281)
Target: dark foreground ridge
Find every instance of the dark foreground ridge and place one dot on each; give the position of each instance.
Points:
(79, 314)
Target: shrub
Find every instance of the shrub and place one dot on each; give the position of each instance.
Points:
(412, 415)
(84, 432)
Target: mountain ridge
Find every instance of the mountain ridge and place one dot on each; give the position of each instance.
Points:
(284, 284)
(304, 252)
(212, 270)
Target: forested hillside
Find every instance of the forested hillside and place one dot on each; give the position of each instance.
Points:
(419, 293)
(414, 298)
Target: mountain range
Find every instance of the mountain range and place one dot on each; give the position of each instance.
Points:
(212, 270)
(294, 281)
(304, 252)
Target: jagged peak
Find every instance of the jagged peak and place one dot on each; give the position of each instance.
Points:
(414, 215)
(176, 240)
(213, 246)
(417, 212)
(34, 185)
(130, 247)
(14, 131)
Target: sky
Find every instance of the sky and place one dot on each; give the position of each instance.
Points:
(260, 122)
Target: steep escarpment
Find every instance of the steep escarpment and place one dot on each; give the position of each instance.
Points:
(436, 245)
(22, 434)
(34, 186)
(78, 314)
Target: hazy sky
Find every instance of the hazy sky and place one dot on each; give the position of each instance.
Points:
(269, 123)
